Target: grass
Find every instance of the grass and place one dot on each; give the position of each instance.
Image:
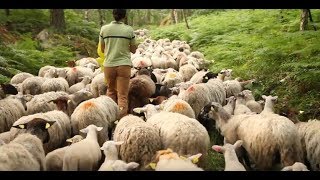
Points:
(262, 44)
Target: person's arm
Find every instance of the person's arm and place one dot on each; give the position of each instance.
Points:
(102, 44)
(133, 44)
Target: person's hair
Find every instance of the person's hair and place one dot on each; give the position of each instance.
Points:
(119, 14)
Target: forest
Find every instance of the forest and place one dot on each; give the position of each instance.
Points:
(279, 48)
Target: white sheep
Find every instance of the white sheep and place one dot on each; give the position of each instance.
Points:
(20, 77)
(240, 106)
(182, 134)
(167, 160)
(25, 152)
(230, 157)
(80, 85)
(32, 85)
(263, 137)
(84, 155)
(229, 107)
(98, 85)
(54, 159)
(40, 103)
(251, 103)
(298, 166)
(187, 71)
(101, 111)
(11, 109)
(43, 70)
(141, 140)
(309, 138)
(199, 95)
(55, 84)
(112, 162)
(58, 133)
(75, 74)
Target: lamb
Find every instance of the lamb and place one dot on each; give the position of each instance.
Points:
(264, 137)
(20, 77)
(112, 163)
(230, 157)
(167, 160)
(230, 105)
(84, 155)
(76, 87)
(187, 71)
(54, 159)
(240, 107)
(251, 103)
(101, 111)
(25, 152)
(141, 140)
(11, 109)
(182, 134)
(98, 85)
(298, 166)
(40, 103)
(269, 103)
(57, 134)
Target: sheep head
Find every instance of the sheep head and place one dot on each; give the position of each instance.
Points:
(36, 126)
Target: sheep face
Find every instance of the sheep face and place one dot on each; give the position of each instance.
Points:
(9, 89)
(38, 127)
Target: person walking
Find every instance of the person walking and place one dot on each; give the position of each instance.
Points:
(117, 40)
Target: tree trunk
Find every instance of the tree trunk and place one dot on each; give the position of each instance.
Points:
(86, 12)
(175, 16)
(304, 19)
(57, 20)
(101, 17)
(148, 16)
(185, 19)
(7, 12)
(310, 17)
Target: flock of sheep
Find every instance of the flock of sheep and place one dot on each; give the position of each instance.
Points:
(62, 119)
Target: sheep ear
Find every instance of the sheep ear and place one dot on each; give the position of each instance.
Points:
(238, 143)
(99, 128)
(151, 100)
(118, 143)
(274, 98)
(69, 140)
(217, 148)
(85, 130)
(264, 97)
(195, 158)
(132, 165)
(20, 126)
(137, 110)
(152, 165)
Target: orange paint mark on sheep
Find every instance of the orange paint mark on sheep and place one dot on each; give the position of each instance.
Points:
(179, 107)
(171, 75)
(74, 69)
(88, 105)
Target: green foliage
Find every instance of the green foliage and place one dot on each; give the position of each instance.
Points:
(26, 20)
